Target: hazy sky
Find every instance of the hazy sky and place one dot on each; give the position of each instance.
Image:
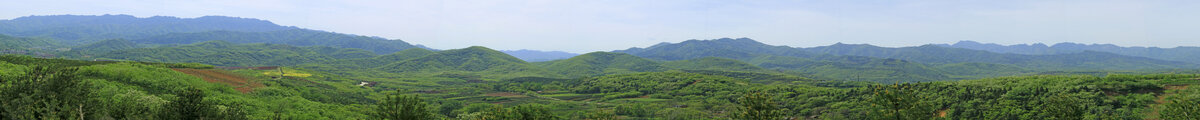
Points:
(603, 25)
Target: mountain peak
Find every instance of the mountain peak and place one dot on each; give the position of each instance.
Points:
(966, 42)
(537, 55)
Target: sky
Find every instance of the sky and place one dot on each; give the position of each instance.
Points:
(582, 26)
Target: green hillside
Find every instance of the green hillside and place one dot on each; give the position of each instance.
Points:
(602, 63)
(361, 63)
(11, 42)
(855, 68)
(474, 60)
(118, 67)
(294, 37)
(228, 54)
(795, 60)
(130, 90)
(712, 63)
(101, 47)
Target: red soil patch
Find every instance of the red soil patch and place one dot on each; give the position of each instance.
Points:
(941, 113)
(239, 83)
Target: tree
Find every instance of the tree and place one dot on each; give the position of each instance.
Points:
(402, 107)
(757, 106)
(533, 112)
(900, 102)
(1180, 110)
(188, 105)
(45, 92)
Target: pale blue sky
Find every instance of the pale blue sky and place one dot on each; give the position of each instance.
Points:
(602, 25)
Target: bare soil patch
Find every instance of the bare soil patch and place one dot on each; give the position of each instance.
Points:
(238, 82)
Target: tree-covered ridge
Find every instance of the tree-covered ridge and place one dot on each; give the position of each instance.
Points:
(795, 60)
(602, 63)
(377, 61)
(227, 54)
(741, 48)
(11, 42)
(294, 37)
(81, 29)
(105, 46)
(475, 60)
(663, 85)
(712, 63)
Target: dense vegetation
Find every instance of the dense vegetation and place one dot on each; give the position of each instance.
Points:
(270, 72)
(130, 90)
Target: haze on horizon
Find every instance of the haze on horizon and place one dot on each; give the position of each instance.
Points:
(582, 26)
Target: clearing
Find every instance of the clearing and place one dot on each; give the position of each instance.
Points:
(239, 83)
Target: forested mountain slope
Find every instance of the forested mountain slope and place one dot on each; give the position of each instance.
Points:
(712, 63)
(83, 29)
(793, 59)
(602, 63)
(473, 60)
(228, 54)
(294, 37)
(11, 42)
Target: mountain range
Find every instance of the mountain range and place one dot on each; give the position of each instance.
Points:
(231, 41)
(1181, 54)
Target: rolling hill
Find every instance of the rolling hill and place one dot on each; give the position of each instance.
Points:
(712, 63)
(294, 37)
(471, 60)
(602, 63)
(228, 54)
(823, 66)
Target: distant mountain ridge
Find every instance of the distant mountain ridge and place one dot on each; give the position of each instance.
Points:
(945, 55)
(87, 29)
(296, 37)
(1182, 54)
(538, 56)
(791, 59)
(81, 29)
(740, 48)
